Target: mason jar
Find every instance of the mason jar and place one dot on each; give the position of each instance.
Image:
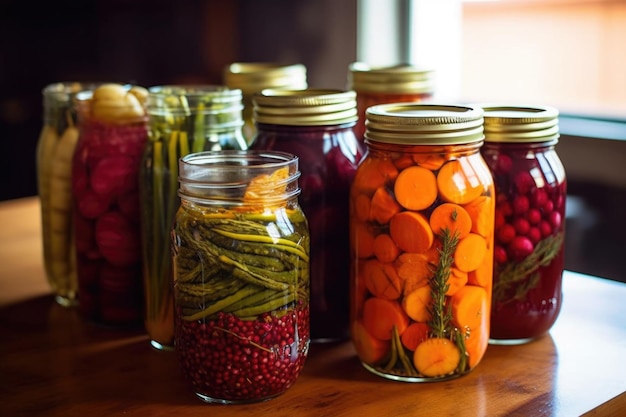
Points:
(421, 229)
(240, 246)
(182, 120)
(387, 84)
(253, 77)
(55, 150)
(317, 126)
(105, 185)
(520, 149)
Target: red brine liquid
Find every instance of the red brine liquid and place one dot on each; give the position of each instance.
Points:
(529, 234)
(105, 186)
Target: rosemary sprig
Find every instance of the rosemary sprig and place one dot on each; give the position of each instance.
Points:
(523, 276)
(440, 322)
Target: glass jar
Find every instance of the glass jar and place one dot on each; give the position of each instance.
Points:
(387, 84)
(530, 220)
(241, 275)
(421, 230)
(105, 185)
(252, 77)
(316, 125)
(55, 149)
(182, 120)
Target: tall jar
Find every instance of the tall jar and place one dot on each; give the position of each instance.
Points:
(105, 185)
(317, 126)
(240, 244)
(421, 229)
(530, 220)
(55, 149)
(252, 77)
(182, 120)
(387, 84)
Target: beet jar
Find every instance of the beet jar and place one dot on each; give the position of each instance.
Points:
(317, 126)
(530, 185)
(105, 186)
(240, 246)
(421, 230)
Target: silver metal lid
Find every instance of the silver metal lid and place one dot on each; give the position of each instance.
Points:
(424, 124)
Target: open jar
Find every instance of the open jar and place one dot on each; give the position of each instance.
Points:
(240, 247)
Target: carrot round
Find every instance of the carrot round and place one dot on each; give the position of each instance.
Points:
(385, 248)
(362, 239)
(481, 211)
(380, 316)
(415, 334)
(451, 216)
(417, 304)
(404, 161)
(415, 188)
(436, 357)
(361, 207)
(369, 349)
(411, 232)
(476, 343)
(483, 275)
(456, 280)
(470, 307)
(372, 174)
(382, 280)
(383, 206)
(429, 161)
(415, 269)
(470, 252)
(458, 183)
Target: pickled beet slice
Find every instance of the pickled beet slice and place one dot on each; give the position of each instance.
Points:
(118, 239)
(114, 175)
(92, 205)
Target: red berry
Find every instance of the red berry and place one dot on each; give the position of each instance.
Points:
(524, 182)
(521, 205)
(548, 206)
(538, 198)
(520, 247)
(521, 226)
(500, 255)
(504, 163)
(534, 234)
(545, 228)
(505, 233)
(505, 208)
(499, 219)
(555, 219)
(533, 216)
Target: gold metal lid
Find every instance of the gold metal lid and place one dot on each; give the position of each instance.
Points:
(252, 77)
(517, 124)
(398, 79)
(310, 107)
(424, 124)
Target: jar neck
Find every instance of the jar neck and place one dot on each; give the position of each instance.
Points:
(380, 148)
(513, 146)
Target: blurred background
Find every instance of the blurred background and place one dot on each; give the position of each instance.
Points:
(566, 53)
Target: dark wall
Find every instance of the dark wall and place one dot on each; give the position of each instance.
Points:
(151, 42)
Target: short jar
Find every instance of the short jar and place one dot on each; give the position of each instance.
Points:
(387, 84)
(317, 126)
(421, 230)
(240, 246)
(520, 149)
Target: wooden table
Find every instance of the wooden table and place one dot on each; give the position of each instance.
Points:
(52, 363)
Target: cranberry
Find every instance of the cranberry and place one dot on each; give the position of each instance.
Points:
(520, 205)
(555, 219)
(521, 225)
(504, 163)
(500, 255)
(534, 234)
(524, 182)
(533, 216)
(520, 247)
(548, 206)
(505, 233)
(545, 228)
(538, 198)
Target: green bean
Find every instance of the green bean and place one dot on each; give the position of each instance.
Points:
(268, 306)
(219, 305)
